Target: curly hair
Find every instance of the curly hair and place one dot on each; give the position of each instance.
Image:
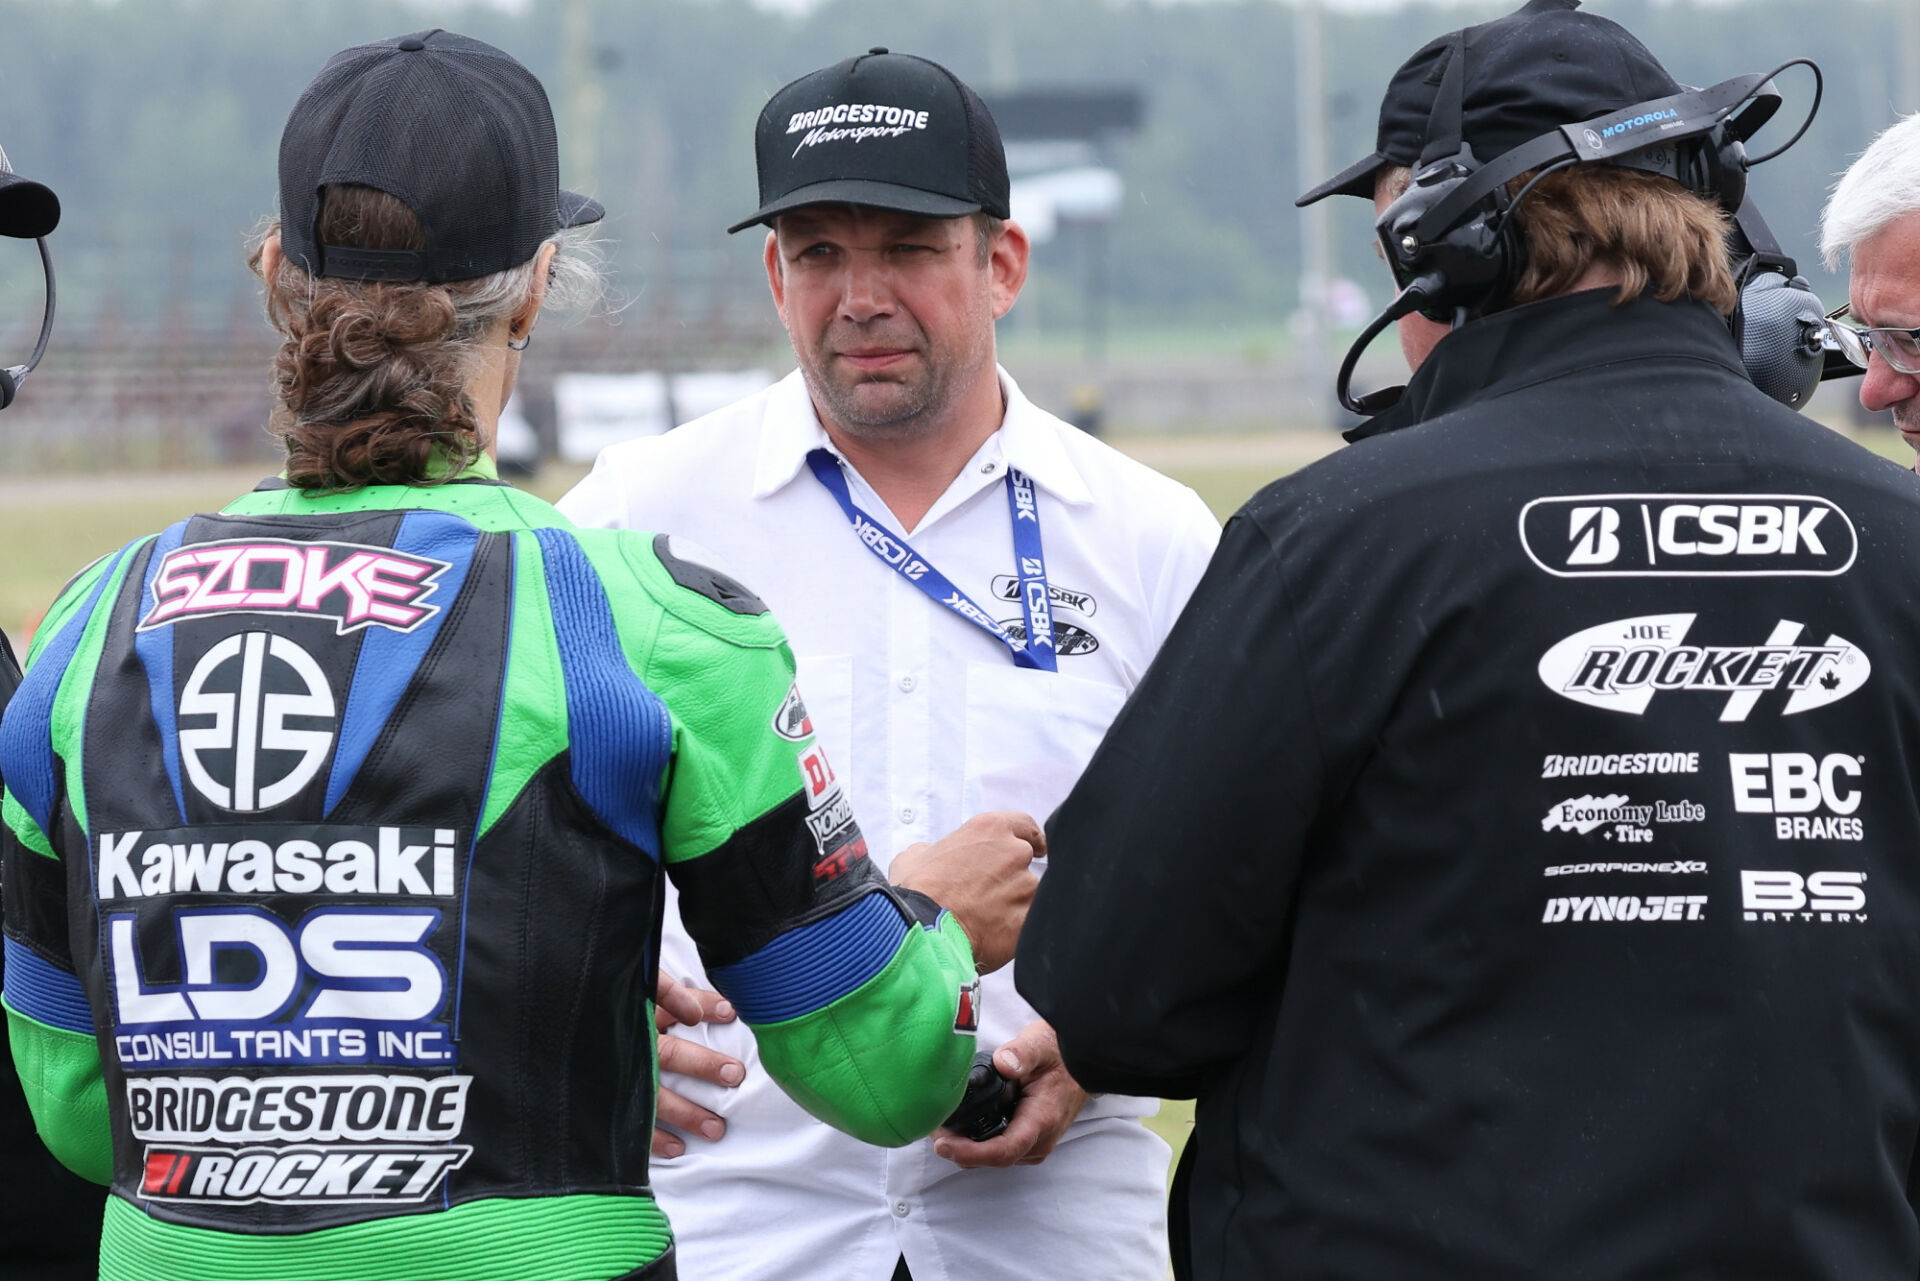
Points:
(370, 382)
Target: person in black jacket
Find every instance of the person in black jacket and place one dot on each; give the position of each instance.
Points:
(1515, 846)
(49, 1218)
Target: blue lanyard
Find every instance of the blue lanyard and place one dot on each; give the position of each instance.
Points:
(1029, 561)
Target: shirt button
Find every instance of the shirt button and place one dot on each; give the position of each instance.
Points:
(906, 816)
(907, 683)
(901, 1209)
(987, 468)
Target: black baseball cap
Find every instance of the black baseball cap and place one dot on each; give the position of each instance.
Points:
(27, 209)
(1540, 67)
(449, 125)
(884, 130)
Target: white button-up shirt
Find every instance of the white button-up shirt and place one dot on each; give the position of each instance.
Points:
(927, 721)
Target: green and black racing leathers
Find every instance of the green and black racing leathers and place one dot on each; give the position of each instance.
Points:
(335, 830)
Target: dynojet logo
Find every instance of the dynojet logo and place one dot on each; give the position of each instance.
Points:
(1621, 665)
(1688, 536)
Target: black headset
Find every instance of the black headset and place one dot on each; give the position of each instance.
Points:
(28, 211)
(1456, 249)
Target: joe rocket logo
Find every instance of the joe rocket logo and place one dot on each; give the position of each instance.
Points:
(238, 738)
(1622, 665)
(1688, 536)
(354, 585)
(296, 1176)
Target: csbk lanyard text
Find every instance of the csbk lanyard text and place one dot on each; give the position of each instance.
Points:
(1029, 563)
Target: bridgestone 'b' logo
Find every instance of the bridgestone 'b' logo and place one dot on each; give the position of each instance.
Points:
(1621, 665)
(355, 586)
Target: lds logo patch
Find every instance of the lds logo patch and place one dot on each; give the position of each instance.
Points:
(235, 740)
(354, 585)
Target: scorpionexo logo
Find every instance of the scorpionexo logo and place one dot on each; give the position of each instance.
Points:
(1624, 664)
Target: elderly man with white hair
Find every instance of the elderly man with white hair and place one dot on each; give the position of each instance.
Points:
(1874, 220)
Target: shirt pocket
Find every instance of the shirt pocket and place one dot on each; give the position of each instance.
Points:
(826, 686)
(1029, 734)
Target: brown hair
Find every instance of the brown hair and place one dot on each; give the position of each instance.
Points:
(1653, 232)
(371, 380)
(1656, 234)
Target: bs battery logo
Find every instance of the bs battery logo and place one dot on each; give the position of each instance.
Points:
(1624, 664)
(1688, 536)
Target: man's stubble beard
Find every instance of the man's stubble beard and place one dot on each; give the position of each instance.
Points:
(919, 407)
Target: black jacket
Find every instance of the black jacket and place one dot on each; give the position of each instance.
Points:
(1515, 846)
(49, 1218)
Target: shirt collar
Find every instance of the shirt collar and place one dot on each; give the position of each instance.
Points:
(1027, 439)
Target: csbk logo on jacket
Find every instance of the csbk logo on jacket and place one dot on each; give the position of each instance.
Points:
(1688, 536)
(1621, 665)
(356, 586)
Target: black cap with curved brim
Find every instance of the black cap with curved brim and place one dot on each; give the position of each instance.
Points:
(882, 130)
(28, 210)
(455, 129)
(1528, 73)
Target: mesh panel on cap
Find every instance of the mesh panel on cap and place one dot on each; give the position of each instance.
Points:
(457, 130)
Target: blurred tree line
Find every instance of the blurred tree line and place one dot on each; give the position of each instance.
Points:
(157, 121)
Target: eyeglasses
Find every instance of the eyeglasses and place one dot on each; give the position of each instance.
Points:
(1900, 348)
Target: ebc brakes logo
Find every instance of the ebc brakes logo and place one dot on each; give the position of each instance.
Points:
(1621, 665)
(1688, 536)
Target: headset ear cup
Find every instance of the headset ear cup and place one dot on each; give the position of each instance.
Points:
(1725, 162)
(7, 388)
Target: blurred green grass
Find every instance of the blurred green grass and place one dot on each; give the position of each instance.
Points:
(52, 527)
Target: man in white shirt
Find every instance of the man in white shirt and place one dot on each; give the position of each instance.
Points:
(971, 588)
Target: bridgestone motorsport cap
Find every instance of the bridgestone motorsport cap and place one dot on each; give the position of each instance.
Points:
(1527, 74)
(455, 129)
(883, 130)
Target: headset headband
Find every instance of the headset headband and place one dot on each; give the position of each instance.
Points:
(1742, 104)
